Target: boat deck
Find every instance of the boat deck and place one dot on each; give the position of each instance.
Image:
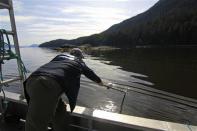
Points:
(97, 120)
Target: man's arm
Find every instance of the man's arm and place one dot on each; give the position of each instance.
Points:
(91, 75)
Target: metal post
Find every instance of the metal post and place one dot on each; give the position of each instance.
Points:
(122, 103)
(15, 37)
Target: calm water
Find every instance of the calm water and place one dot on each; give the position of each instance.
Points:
(173, 70)
(153, 77)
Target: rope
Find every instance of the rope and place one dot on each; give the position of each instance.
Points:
(5, 50)
(188, 125)
(1, 47)
(6, 53)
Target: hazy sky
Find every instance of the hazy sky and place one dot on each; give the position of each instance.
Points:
(43, 20)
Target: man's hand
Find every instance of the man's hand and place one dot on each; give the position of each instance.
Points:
(106, 84)
(101, 83)
(109, 85)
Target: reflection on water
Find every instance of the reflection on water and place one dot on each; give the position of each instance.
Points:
(173, 70)
(109, 106)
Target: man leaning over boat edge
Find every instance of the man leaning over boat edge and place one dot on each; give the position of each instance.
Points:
(44, 87)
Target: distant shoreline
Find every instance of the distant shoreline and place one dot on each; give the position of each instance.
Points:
(85, 48)
(89, 48)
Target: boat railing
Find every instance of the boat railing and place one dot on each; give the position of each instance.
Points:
(88, 119)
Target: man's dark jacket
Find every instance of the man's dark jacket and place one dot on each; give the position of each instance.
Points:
(66, 70)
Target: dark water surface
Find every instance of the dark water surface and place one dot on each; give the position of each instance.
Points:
(173, 70)
(160, 82)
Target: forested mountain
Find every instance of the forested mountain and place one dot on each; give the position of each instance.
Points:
(168, 22)
(55, 43)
